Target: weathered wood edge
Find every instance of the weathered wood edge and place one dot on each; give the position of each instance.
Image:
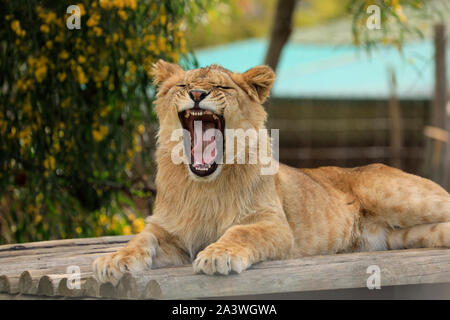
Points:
(400, 267)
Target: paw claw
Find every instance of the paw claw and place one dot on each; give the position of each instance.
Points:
(110, 268)
(216, 260)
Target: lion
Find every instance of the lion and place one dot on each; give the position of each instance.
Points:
(224, 217)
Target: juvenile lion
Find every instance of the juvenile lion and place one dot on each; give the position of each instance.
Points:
(225, 217)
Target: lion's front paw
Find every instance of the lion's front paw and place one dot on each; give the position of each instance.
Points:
(217, 258)
(112, 266)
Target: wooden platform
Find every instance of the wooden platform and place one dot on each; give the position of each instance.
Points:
(39, 270)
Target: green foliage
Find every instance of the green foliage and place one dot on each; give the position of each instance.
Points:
(74, 105)
(313, 12)
(231, 20)
(399, 20)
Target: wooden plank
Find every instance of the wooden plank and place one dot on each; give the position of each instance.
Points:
(9, 284)
(304, 274)
(53, 244)
(396, 269)
(57, 285)
(91, 287)
(28, 282)
(51, 261)
(66, 291)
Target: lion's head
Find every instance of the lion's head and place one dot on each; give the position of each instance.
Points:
(208, 98)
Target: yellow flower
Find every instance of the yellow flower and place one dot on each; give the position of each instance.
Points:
(98, 31)
(49, 44)
(100, 134)
(81, 76)
(15, 25)
(41, 73)
(56, 147)
(27, 108)
(130, 153)
(93, 20)
(44, 28)
(37, 218)
(103, 219)
(122, 14)
(24, 137)
(49, 163)
(161, 43)
(82, 10)
(78, 230)
(399, 12)
(138, 225)
(12, 133)
(126, 230)
(132, 67)
(64, 55)
(62, 76)
(132, 4)
(104, 112)
(141, 128)
(163, 19)
(119, 3)
(81, 59)
(105, 4)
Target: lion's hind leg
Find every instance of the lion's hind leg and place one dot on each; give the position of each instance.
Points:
(414, 211)
(423, 236)
(399, 199)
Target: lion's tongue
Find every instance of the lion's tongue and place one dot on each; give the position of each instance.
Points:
(204, 151)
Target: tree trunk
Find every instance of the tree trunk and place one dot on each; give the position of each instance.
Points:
(281, 30)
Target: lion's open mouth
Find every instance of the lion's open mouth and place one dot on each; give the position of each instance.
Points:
(205, 141)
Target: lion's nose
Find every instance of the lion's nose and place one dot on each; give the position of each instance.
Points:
(198, 95)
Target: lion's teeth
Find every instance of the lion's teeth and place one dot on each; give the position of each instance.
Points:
(204, 167)
(186, 115)
(215, 117)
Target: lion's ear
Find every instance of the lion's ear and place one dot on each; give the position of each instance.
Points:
(162, 70)
(260, 79)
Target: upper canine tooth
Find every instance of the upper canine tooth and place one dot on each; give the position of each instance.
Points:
(187, 115)
(215, 117)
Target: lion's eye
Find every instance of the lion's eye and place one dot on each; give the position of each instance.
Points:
(224, 87)
(181, 85)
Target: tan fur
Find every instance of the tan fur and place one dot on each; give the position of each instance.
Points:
(238, 217)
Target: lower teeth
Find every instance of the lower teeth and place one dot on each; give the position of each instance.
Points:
(208, 166)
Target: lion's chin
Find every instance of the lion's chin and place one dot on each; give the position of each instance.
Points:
(205, 178)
